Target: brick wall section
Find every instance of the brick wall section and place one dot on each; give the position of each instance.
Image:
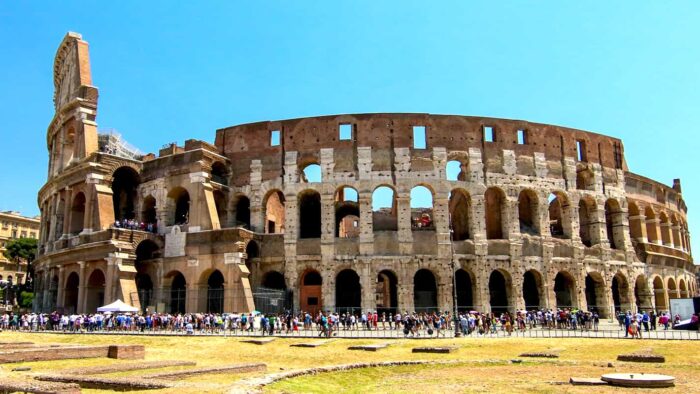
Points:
(127, 352)
(46, 354)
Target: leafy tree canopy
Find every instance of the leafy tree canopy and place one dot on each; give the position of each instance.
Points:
(21, 248)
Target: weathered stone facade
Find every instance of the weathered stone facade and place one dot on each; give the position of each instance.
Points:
(517, 214)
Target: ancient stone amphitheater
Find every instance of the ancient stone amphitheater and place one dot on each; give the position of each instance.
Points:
(375, 211)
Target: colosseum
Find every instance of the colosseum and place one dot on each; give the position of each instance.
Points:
(380, 211)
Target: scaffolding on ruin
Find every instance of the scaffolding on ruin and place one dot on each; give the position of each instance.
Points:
(111, 142)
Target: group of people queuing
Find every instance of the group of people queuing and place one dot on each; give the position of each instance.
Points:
(414, 324)
(132, 224)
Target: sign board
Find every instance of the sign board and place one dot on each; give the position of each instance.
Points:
(683, 307)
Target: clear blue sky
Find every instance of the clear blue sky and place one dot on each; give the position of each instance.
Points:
(170, 71)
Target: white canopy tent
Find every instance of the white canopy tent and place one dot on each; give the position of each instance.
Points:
(117, 306)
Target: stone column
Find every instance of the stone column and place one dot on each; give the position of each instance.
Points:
(327, 225)
(598, 227)
(403, 206)
(654, 235)
(82, 288)
(441, 217)
(61, 286)
(368, 282)
(366, 224)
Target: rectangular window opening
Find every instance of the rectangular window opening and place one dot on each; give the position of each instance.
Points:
(522, 137)
(419, 137)
(489, 135)
(275, 138)
(581, 150)
(345, 132)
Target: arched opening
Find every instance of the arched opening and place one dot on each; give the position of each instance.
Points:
(347, 213)
(672, 292)
(311, 174)
(53, 292)
(422, 209)
(464, 290)
(219, 174)
(675, 232)
(499, 292)
(528, 205)
(456, 171)
(585, 179)
(95, 292)
(77, 214)
(495, 200)
(67, 154)
(683, 289)
(559, 216)
(460, 206)
(215, 292)
(310, 292)
(384, 214)
(70, 298)
(179, 200)
(424, 291)
(309, 214)
(348, 292)
(145, 252)
(665, 229)
(221, 203)
(532, 290)
(642, 293)
(636, 222)
(274, 280)
(274, 213)
(613, 224)
(252, 250)
(125, 182)
(587, 220)
(144, 288)
(652, 225)
(242, 208)
(619, 289)
(660, 294)
(178, 293)
(565, 290)
(595, 294)
(387, 294)
(148, 213)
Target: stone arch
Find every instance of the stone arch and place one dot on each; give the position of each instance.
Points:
(125, 182)
(95, 291)
(636, 221)
(311, 283)
(587, 220)
(241, 207)
(77, 213)
(179, 200)
(460, 214)
(464, 281)
(659, 293)
(619, 288)
(671, 286)
(311, 173)
(425, 291)
(651, 225)
(347, 212)
(421, 202)
(219, 173)
(274, 280)
(596, 295)
(384, 210)
(565, 290)
(496, 213)
(614, 224)
(500, 291)
(585, 179)
(559, 215)
(221, 203)
(682, 288)
(457, 170)
(664, 225)
(387, 292)
(274, 212)
(177, 292)
(148, 211)
(309, 214)
(533, 290)
(642, 294)
(528, 212)
(70, 293)
(215, 292)
(675, 232)
(348, 292)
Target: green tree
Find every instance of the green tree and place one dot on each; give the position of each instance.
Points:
(22, 249)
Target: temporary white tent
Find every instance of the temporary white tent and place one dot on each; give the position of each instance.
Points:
(117, 306)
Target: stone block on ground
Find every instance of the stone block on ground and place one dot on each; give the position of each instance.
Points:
(642, 358)
(540, 354)
(103, 369)
(260, 341)
(50, 354)
(127, 352)
(639, 380)
(8, 385)
(587, 382)
(369, 348)
(101, 383)
(309, 344)
(236, 368)
(432, 349)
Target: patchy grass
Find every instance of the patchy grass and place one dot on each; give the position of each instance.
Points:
(483, 364)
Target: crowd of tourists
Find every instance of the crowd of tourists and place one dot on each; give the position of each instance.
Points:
(132, 224)
(327, 323)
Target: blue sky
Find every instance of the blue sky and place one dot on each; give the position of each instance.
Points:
(168, 71)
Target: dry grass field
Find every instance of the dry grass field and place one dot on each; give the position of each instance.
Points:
(479, 365)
